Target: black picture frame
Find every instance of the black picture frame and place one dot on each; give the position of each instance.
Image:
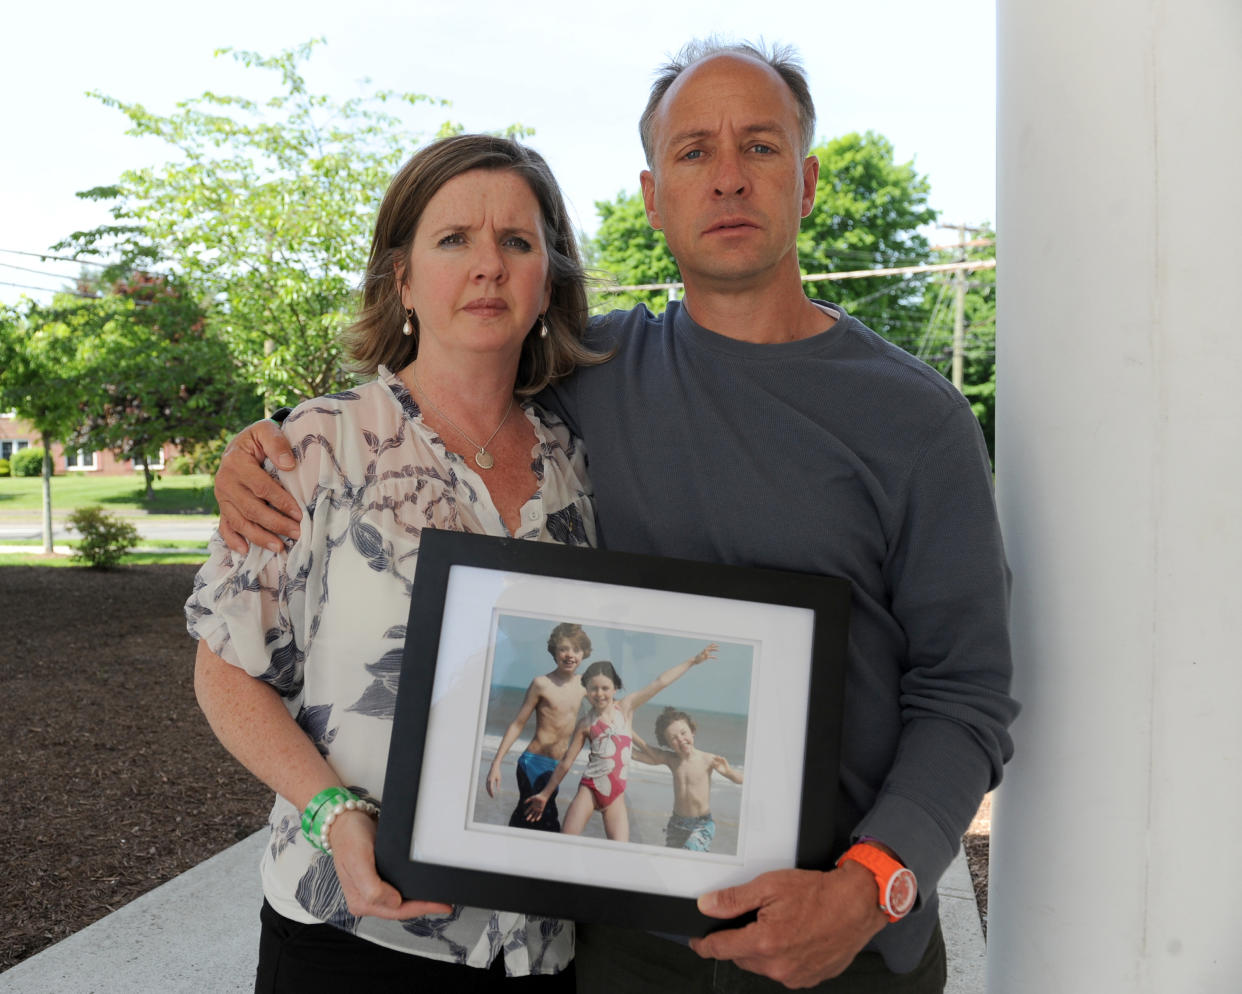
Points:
(429, 844)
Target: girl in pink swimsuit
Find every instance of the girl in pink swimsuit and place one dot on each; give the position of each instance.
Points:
(608, 730)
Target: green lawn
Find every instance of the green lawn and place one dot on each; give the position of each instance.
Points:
(133, 559)
(173, 494)
(160, 544)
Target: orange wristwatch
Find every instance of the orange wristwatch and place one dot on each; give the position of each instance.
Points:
(897, 884)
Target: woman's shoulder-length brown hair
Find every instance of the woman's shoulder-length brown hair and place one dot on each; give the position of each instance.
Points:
(376, 337)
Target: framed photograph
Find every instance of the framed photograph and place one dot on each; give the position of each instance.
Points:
(693, 712)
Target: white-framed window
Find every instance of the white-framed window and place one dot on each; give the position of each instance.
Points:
(156, 463)
(10, 445)
(80, 460)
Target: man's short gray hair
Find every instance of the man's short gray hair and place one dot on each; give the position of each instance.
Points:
(782, 59)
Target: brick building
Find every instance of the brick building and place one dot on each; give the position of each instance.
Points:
(16, 434)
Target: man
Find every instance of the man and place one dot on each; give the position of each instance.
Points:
(751, 425)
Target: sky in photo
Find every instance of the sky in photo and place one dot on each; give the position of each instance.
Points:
(720, 684)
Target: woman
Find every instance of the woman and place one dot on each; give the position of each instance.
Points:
(473, 293)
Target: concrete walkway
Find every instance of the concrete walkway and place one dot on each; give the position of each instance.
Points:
(199, 932)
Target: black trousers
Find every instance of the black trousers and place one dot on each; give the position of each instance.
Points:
(296, 959)
(611, 959)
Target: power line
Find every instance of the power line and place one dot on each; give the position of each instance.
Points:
(940, 267)
(56, 258)
(925, 343)
(854, 274)
(44, 289)
(37, 272)
(973, 243)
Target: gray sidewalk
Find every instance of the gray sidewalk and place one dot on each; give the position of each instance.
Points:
(182, 528)
(199, 932)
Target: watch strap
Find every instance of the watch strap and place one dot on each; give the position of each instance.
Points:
(896, 883)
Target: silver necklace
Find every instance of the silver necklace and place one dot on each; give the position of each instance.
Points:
(483, 459)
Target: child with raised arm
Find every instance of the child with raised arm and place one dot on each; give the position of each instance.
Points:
(554, 698)
(608, 729)
(690, 826)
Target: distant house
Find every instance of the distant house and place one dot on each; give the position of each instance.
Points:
(16, 434)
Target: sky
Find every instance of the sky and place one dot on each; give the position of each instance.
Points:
(922, 74)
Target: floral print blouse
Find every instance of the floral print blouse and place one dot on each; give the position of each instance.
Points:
(323, 622)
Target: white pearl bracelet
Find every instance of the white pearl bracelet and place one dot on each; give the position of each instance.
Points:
(366, 807)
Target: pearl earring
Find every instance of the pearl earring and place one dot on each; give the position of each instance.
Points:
(407, 329)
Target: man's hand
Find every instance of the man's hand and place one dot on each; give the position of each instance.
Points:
(253, 506)
(811, 925)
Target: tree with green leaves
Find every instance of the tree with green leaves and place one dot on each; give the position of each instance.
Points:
(867, 214)
(40, 380)
(154, 372)
(627, 249)
(268, 205)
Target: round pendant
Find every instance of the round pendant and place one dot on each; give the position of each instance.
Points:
(484, 459)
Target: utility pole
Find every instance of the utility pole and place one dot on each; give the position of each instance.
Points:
(959, 305)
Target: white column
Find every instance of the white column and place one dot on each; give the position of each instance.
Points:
(1117, 835)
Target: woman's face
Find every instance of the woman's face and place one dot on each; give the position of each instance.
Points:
(477, 273)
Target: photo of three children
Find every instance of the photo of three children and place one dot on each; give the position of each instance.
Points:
(577, 707)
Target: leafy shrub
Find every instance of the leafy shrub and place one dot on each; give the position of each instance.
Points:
(5, 468)
(27, 462)
(105, 537)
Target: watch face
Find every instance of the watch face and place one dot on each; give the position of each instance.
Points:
(902, 890)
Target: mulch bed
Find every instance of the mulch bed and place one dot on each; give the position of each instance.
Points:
(113, 782)
(977, 843)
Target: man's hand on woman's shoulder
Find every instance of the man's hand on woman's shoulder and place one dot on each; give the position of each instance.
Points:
(254, 508)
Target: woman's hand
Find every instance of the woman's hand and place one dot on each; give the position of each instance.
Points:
(493, 780)
(252, 722)
(353, 849)
(253, 506)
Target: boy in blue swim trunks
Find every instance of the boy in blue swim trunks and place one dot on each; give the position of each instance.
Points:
(554, 698)
(690, 826)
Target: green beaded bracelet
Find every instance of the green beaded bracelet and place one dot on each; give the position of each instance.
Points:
(320, 805)
(323, 809)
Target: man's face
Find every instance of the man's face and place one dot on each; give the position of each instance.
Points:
(728, 184)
